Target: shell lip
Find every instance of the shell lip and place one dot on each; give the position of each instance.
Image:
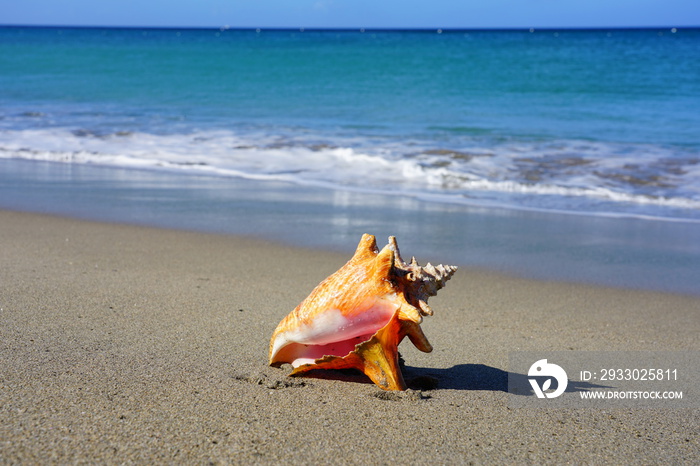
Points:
(331, 332)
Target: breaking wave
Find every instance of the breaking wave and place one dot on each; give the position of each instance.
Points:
(566, 176)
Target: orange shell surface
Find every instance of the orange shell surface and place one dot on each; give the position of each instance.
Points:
(357, 317)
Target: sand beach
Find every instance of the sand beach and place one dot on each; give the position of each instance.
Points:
(128, 344)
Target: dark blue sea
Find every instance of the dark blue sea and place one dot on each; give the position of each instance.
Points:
(560, 154)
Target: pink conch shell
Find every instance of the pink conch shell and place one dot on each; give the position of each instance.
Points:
(357, 317)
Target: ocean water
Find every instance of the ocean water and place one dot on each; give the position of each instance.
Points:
(600, 125)
(602, 122)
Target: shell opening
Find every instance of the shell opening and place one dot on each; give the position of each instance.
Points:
(308, 354)
(330, 334)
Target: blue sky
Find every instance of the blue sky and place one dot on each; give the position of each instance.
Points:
(353, 13)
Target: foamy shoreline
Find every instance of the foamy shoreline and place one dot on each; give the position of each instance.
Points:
(619, 252)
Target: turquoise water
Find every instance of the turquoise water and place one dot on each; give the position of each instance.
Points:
(565, 155)
(597, 122)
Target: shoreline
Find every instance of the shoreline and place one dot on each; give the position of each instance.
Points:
(617, 252)
(342, 253)
(135, 344)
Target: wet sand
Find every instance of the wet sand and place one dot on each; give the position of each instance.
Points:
(132, 344)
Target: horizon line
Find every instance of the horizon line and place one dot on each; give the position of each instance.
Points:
(356, 29)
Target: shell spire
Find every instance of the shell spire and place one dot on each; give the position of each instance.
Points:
(357, 317)
(421, 282)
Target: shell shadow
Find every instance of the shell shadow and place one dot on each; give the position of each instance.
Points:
(458, 377)
(483, 377)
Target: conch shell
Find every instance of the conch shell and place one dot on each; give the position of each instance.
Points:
(357, 317)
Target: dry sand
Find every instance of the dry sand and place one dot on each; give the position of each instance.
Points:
(128, 344)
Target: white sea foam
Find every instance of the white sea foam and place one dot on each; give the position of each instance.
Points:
(562, 175)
